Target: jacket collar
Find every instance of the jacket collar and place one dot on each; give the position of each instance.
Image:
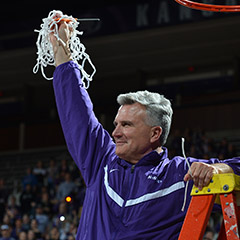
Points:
(151, 159)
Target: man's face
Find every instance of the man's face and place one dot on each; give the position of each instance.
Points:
(131, 134)
(5, 233)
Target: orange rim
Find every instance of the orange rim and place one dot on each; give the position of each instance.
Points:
(209, 7)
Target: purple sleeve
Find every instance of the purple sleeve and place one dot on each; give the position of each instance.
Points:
(88, 143)
(234, 163)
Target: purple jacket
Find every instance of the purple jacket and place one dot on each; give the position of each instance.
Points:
(122, 201)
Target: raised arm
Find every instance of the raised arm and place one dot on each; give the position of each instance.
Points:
(89, 144)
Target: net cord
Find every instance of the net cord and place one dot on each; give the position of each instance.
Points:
(45, 54)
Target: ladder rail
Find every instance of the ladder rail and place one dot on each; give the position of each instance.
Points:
(230, 215)
(223, 189)
(197, 217)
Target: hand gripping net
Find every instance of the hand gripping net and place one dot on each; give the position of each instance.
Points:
(45, 54)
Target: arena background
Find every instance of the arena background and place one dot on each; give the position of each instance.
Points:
(190, 56)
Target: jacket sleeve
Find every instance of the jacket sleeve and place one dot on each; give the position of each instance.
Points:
(88, 143)
(234, 163)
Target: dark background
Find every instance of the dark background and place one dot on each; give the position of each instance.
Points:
(190, 56)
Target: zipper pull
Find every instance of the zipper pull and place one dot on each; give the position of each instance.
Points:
(132, 168)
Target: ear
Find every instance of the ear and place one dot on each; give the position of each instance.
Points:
(156, 132)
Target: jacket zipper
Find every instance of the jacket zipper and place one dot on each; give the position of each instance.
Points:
(132, 168)
(129, 183)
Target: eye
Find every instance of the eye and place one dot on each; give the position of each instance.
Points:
(126, 124)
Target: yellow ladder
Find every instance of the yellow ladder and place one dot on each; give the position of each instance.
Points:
(223, 189)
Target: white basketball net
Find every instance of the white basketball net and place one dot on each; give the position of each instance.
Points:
(45, 55)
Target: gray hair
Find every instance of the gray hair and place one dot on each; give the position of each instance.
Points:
(158, 109)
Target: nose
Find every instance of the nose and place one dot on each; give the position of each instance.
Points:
(117, 132)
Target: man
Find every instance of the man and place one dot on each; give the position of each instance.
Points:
(133, 190)
(6, 233)
(66, 188)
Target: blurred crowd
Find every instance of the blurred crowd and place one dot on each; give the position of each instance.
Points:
(199, 145)
(47, 202)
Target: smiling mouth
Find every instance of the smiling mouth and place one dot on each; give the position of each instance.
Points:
(120, 143)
